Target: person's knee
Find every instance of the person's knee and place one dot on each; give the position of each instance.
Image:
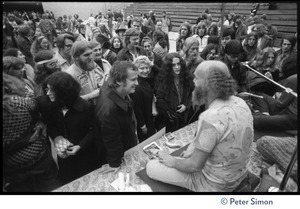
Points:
(151, 168)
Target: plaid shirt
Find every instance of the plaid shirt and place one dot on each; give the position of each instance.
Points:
(19, 153)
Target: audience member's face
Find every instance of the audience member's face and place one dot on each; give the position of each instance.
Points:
(176, 66)
(17, 71)
(211, 54)
(96, 33)
(44, 43)
(117, 43)
(82, 30)
(233, 58)
(270, 59)
(225, 40)
(148, 47)
(251, 41)
(53, 66)
(68, 45)
(85, 60)
(164, 14)
(184, 31)
(286, 45)
(193, 51)
(134, 41)
(143, 70)
(159, 25)
(136, 25)
(128, 87)
(21, 56)
(97, 53)
(201, 31)
(50, 93)
(121, 34)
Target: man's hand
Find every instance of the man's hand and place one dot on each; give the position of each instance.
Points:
(72, 150)
(144, 129)
(166, 159)
(181, 108)
(107, 169)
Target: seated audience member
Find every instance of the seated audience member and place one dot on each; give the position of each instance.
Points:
(265, 64)
(190, 54)
(35, 171)
(107, 54)
(144, 100)
(174, 91)
(263, 39)
(213, 30)
(40, 43)
(116, 44)
(131, 48)
(45, 65)
(210, 52)
(160, 46)
(239, 28)
(14, 52)
(281, 113)
(185, 31)
(228, 34)
(272, 33)
(211, 163)
(64, 43)
(250, 46)
(69, 119)
(85, 71)
(14, 66)
(233, 51)
(115, 125)
(287, 49)
(201, 35)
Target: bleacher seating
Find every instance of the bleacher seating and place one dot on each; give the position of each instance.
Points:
(284, 17)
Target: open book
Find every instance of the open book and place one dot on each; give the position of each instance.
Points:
(152, 150)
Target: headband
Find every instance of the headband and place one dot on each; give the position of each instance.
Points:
(46, 61)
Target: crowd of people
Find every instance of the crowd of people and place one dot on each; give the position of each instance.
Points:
(78, 93)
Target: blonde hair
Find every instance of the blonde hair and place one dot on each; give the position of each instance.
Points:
(141, 60)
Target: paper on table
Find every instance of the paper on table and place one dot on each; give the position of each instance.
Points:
(116, 185)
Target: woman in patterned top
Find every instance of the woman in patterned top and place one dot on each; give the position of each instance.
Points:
(27, 163)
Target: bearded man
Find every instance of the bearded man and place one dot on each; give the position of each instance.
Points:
(216, 159)
(85, 71)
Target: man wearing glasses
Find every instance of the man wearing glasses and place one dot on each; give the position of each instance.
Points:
(233, 52)
(64, 43)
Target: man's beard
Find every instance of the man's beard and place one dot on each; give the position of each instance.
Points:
(199, 95)
(86, 66)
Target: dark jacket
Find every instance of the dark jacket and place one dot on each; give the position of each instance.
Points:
(24, 45)
(142, 104)
(115, 125)
(111, 57)
(124, 54)
(238, 72)
(76, 126)
(169, 103)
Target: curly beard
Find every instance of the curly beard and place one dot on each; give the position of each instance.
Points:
(86, 66)
(199, 95)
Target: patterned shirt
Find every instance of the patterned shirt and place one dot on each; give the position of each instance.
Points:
(225, 130)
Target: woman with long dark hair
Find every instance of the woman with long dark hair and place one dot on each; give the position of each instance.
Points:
(69, 121)
(174, 92)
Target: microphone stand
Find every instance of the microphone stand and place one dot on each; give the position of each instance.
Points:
(288, 90)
